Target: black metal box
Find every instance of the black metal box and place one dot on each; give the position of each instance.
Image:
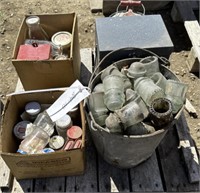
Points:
(147, 31)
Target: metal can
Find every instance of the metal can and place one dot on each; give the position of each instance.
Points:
(20, 129)
(56, 142)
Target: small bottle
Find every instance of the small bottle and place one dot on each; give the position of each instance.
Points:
(63, 124)
(34, 142)
(35, 30)
(32, 109)
(44, 122)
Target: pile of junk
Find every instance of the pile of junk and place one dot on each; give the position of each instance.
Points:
(135, 99)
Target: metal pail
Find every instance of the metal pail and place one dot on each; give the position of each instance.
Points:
(121, 150)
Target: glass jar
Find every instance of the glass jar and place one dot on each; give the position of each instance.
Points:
(34, 142)
(44, 122)
(32, 109)
(35, 30)
(148, 90)
(63, 124)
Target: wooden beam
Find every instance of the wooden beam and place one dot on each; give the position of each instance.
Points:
(189, 150)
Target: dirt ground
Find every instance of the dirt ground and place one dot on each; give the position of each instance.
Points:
(12, 13)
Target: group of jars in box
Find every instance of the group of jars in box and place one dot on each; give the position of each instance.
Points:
(38, 45)
(38, 134)
(137, 99)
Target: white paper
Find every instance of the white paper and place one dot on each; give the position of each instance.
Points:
(67, 101)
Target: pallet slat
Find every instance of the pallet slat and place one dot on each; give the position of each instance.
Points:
(21, 186)
(172, 165)
(112, 179)
(146, 176)
(188, 149)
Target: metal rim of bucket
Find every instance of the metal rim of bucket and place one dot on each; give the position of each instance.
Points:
(127, 61)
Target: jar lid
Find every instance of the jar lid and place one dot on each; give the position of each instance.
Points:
(74, 132)
(31, 20)
(64, 122)
(62, 38)
(20, 129)
(56, 142)
(32, 108)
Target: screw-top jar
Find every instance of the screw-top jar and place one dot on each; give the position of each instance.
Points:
(20, 129)
(74, 132)
(35, 30)
(32, 109)
(63, 124)
(63, 39)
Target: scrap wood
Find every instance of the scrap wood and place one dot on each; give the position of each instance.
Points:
(190, 109)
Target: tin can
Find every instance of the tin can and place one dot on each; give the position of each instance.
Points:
(20, 129)
(56, 142)
(63, 39)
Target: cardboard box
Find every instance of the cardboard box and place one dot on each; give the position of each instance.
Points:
(49, 73)
(60, 163)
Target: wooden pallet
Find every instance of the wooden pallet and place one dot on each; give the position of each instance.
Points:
(183, 11)
(164, 171)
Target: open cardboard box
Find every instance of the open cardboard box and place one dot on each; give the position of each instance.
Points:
(49, 73)
(60, 163)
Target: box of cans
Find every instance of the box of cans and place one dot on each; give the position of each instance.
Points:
(29, 153)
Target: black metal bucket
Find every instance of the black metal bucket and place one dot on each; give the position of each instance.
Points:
(121, 150)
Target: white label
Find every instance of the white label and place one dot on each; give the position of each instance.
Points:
(67, 101)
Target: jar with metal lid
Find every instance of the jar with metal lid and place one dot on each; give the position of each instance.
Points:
(56, 142)
(74, 132)
(35, 30)
(20, 129)
(32, 109)
(63, 124)
(63, 39)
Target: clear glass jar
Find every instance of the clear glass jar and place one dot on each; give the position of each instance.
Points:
(34, 142)
(44, 122)
(148, 90)
(35, 30)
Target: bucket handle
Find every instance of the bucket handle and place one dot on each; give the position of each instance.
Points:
(164, 60)
(94, 124)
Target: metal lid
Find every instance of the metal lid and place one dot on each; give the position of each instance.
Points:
(32, 20)
(32, 108)
(74, 132)
(64, 122)
(56, 142)
(62, 38)
(20, 129)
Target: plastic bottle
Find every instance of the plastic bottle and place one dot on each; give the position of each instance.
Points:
(35, 30)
